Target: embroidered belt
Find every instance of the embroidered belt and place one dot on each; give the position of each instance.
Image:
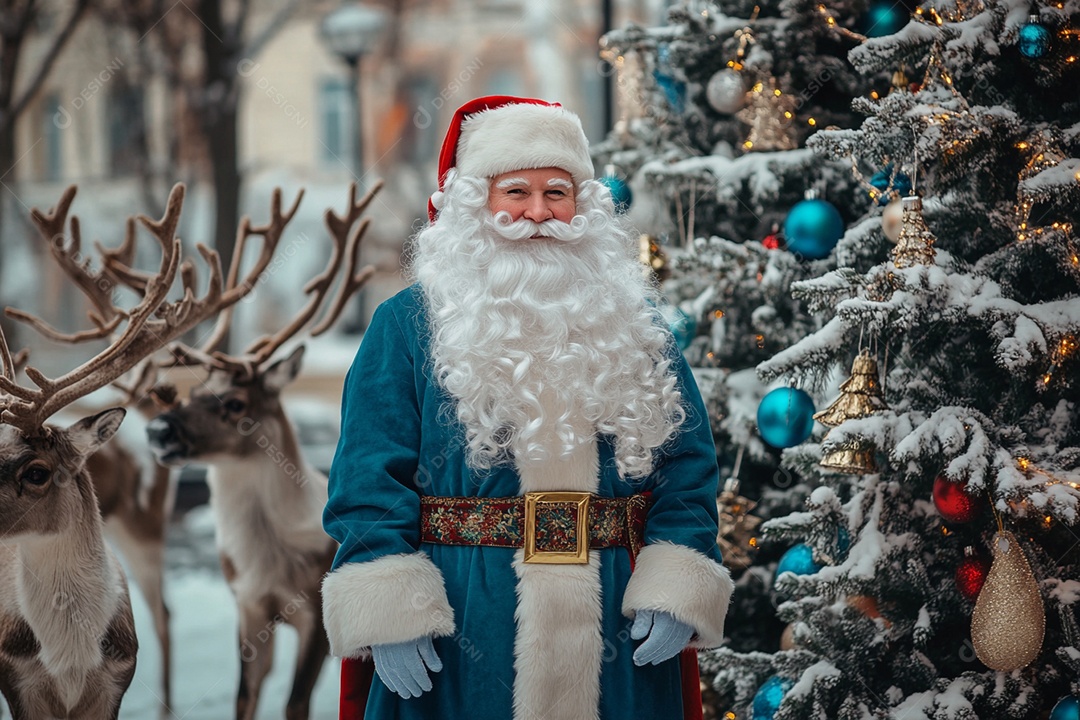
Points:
(552, 527)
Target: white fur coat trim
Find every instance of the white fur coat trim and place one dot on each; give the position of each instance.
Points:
(685, 583)
(558, 647)
(392, 599)
(523, 136)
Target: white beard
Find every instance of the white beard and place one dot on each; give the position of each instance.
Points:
(546, 338)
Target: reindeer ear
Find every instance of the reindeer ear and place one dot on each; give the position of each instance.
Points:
(284, 371)
(90, 433)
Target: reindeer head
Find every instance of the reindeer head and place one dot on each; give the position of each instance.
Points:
(237, 411)
(37, 468)
(229, 415)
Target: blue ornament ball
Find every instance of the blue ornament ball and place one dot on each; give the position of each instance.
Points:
(769, 696)
(901, 184)
(1034, 40)
(885, 18)
(799, 559)
(620, 192)
(683, 325)
(812, 229)
(1067, 708)
(785, 417)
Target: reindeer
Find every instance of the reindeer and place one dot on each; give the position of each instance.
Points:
(67, 636)
(267, 501)
(135, 497)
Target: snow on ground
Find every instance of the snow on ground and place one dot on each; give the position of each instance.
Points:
(206, 662)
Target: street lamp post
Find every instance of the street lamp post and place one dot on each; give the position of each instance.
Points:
(349, 32)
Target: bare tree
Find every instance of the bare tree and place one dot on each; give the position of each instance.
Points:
(18, 24)
(205, 95)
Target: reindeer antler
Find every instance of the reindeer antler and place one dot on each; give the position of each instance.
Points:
(346, 251)
(347, 237)
(151, 324)
(98, 287)
(271, 234)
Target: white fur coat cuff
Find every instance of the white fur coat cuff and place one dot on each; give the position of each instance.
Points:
(684, 582)
(392, 599)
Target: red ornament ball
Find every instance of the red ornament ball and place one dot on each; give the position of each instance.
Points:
(971, 574)
(771, 242)
(953, 502)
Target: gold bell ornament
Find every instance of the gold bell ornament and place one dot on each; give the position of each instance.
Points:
(1009, 620)
(860, 395)
(915, 244)
(737, 527)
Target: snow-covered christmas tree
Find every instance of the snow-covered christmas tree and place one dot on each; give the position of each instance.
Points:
(935, 568)
(932, 566)
(716, 109)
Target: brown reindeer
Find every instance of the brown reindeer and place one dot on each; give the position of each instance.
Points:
(266, 499)
(135, 495)
(67, 637)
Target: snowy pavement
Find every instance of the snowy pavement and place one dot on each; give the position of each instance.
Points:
(206, 662)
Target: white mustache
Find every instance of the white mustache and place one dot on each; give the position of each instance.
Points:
(523, 229)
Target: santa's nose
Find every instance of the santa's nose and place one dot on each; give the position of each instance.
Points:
(538, 210)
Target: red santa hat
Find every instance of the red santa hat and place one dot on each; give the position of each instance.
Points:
(492, 135)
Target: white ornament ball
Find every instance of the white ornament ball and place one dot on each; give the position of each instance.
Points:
(893, 219)
(726, 91)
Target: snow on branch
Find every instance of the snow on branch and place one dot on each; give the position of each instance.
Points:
(1065, 176)
(922, 295)
(811, 356)
(761, 173)
(954, 434)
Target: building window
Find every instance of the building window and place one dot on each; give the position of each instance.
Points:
(337, 118)
(127, 129)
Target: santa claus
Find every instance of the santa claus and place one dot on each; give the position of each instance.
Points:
(525, 486)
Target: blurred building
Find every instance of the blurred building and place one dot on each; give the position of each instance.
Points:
(112, 117)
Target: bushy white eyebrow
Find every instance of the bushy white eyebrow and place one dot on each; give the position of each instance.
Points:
(560, 182)
(502, 184)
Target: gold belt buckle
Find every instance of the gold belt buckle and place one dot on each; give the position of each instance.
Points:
(580, 556)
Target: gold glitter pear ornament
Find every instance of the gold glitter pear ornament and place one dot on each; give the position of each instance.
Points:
(1009, 619)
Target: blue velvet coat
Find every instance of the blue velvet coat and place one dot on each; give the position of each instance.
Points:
(399, 441)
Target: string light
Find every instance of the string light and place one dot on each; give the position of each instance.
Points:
(1045, 154)
(1029, 468)
(830, 22)
(1065, 347)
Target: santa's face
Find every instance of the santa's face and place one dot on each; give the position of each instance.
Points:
(543, 329)
(537, 195)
